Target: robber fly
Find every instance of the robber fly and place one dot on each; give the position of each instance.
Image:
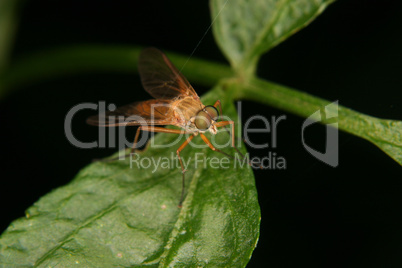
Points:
(176, 103)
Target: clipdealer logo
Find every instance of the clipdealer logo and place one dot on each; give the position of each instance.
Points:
(328, 115)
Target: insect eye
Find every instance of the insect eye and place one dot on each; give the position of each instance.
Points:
(212, 112)
(202, 120)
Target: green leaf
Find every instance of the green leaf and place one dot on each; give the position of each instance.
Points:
(245, 30)
(112, 215)
(386, 134)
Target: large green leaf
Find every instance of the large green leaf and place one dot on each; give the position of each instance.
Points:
(112, 215)
(244, 30)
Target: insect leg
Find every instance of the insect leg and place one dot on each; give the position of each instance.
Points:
(218, 103)
(182, 166)
(224, 124)
(173, 131)
(231, 134)
(205, 139)
(154, 129)
(137, 134)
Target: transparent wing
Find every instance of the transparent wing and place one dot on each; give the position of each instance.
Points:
(161, 78)
(151, 112)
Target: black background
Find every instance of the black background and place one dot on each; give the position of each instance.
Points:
(312, 214)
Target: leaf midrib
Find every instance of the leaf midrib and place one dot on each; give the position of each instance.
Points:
(187, 204)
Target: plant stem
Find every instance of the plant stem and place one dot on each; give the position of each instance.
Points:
(386, 134)
(92, 58)
(299, 103)
(7, 29)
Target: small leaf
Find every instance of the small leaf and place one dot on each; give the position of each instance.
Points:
(245, 30)
(112, 215)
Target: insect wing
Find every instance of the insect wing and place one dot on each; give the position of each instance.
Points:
(161, 78)
(151, 112)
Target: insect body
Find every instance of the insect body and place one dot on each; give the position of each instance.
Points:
(175, 103)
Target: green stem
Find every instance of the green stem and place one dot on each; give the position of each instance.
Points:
(300, 103)
(94, 59)
(8, 24)
(386, 134)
